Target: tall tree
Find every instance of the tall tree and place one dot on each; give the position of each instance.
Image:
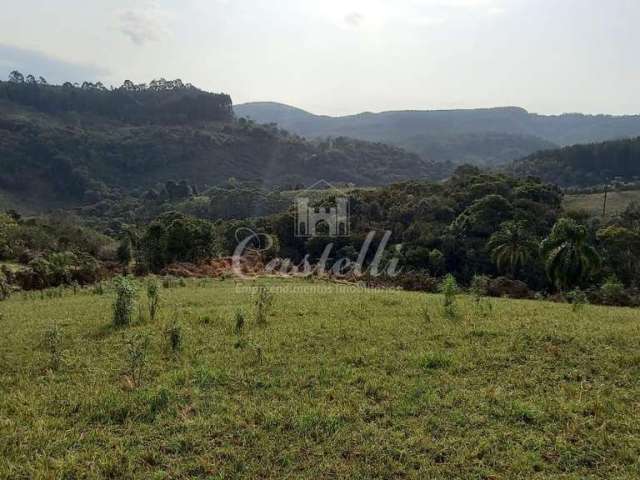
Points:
(569, 257)
(621, 251)
(16, 77)
(512, 247)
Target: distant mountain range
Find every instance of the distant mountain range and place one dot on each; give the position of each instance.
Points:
(489, 137)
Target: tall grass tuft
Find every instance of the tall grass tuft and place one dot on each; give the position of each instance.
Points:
(5, 288)
(239, 322)
(52, 343)
(153, 297)
(578, 299)
(264, 302)
(174, 336)
(449, 289)
(137, 350)
(98, 289)
(425, 313)
(479, 287)
(124, 305)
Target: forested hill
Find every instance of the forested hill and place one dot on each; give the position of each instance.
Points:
(73, 145)
(162, 101)
(584, 165)
(491, 136)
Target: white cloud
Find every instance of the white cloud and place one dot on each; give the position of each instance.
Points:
(353, 19)
(144, 25)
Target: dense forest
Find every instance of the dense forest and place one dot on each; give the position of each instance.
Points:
(497, 234)
(161, 101)
(585, 165)
(78, 145)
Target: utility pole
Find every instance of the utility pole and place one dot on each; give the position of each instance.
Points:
(604, 203)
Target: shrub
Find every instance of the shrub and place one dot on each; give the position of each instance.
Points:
(174, 336)
(41, 269)
(578, 299)
(506, 287)
(264, 302)
(5, 288)
(426, 315)
(52, 342)
(612, 292)
(153, 296)
(173, 282)
(123, 307)
(137, 348)
(479, 287)
(449, 288)
(239, 322)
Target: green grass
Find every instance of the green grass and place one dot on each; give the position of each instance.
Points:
(336, 385)
(593, 202)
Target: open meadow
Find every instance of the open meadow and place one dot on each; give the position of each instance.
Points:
(334, 383)
(593, 203)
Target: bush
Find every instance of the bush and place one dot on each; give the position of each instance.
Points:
(52, 342)
(239, 322)
(264, 302)
(123, 307)
(506, 287)
(153, 296)
(578, 299)
(479, 286)
(612, 292)
(5, 288)
(137, 349)
(410, 281)
(174, 336)
(449, 288)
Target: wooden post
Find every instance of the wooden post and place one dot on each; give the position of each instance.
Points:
(604, 203)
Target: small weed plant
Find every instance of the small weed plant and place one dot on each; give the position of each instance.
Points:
(449, 290)
(137, 351)
(153, 297)
(52, 343)
(175, 337)
(264, 303)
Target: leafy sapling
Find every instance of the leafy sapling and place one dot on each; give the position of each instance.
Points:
(123, 307)
(153, 297)
(264, 302)
(52, 343)
(449, 289)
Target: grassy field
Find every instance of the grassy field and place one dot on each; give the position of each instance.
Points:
(593, 202)
(337, 384)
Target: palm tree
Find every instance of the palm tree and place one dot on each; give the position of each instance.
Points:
(512, 247)
(569, 258)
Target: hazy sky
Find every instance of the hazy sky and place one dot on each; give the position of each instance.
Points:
(344, 56)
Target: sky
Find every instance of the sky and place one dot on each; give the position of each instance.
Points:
(338, 57)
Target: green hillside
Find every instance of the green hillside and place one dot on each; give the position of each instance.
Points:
(66, 146)
(339, 383)
(584, 165)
